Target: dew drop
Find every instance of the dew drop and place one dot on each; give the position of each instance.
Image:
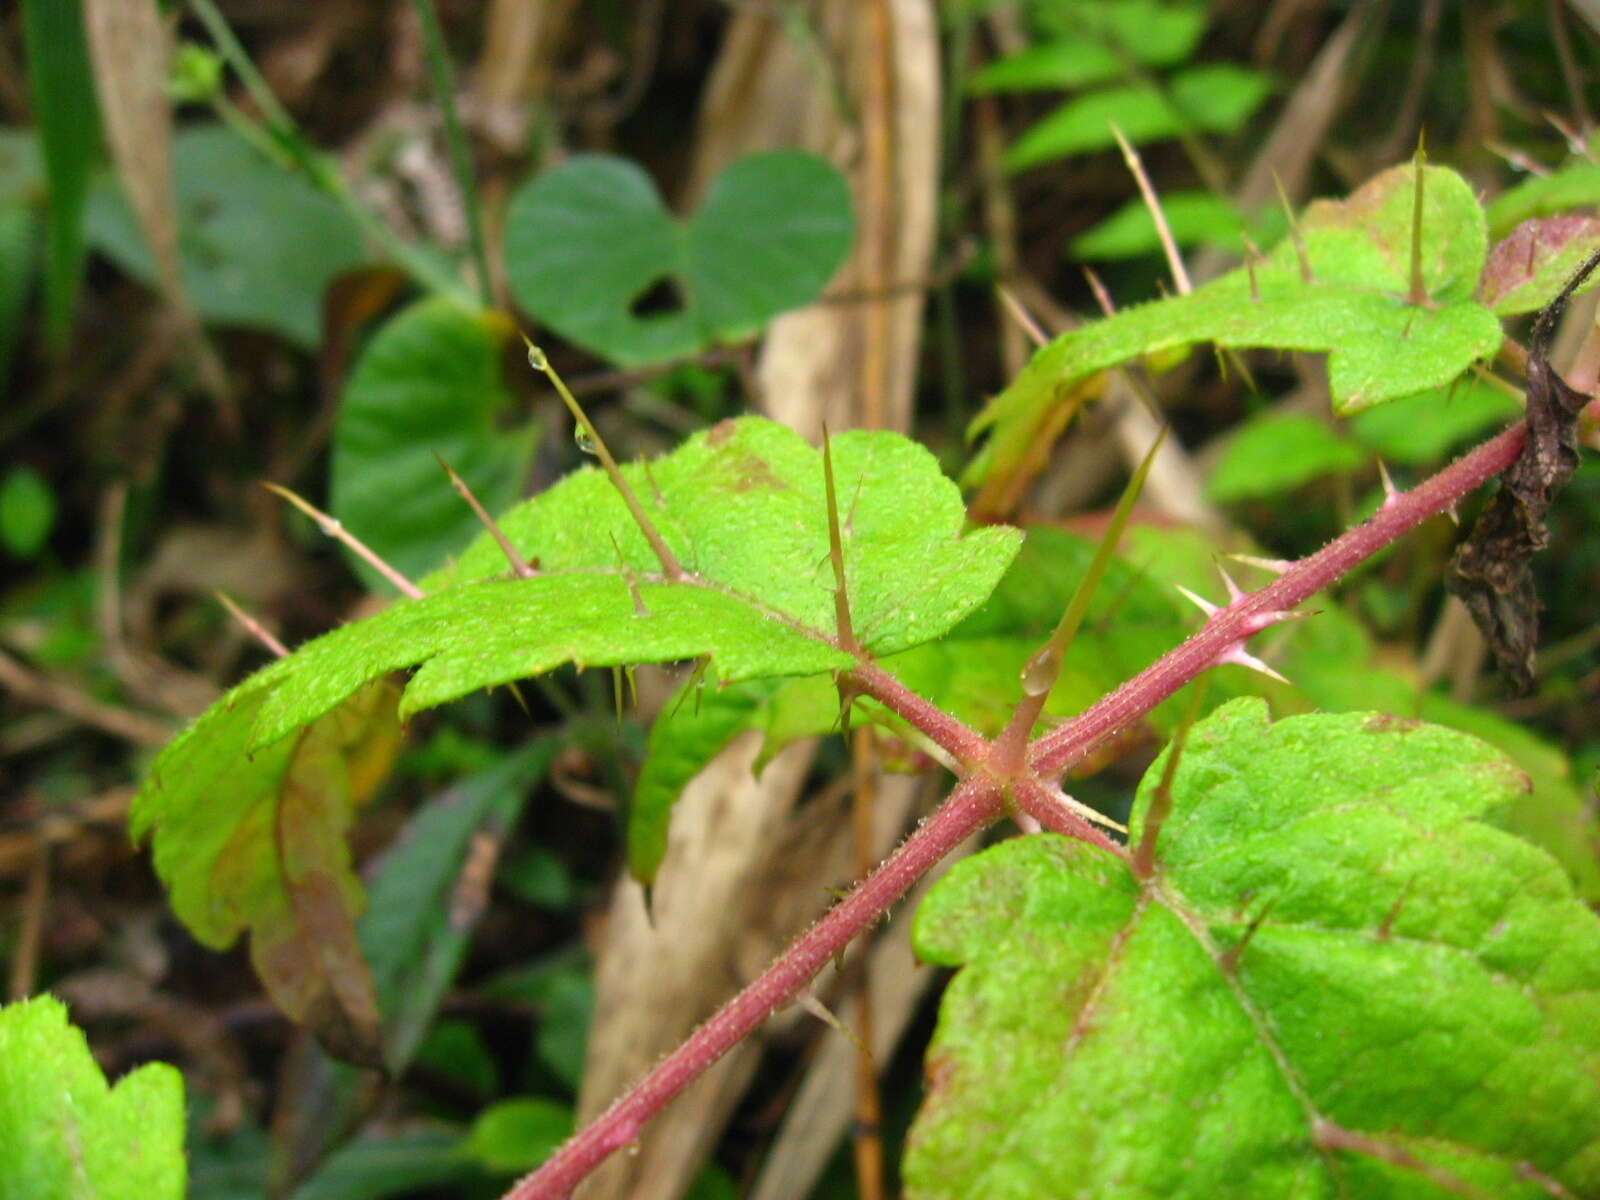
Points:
(537, 359)
(581, 439)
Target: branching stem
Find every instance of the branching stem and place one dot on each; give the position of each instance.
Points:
(981, 798)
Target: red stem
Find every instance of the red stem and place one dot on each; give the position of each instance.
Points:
(974, 804)
(965, 744)
(976, 801)
(1073, 741)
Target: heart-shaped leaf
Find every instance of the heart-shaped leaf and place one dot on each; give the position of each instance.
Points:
(257, 244)
(1338, 981)
(589, 240)
(742, 507)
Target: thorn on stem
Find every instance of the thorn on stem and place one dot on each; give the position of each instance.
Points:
(335, 529)
(1419, 293)
(520, 567)
(841, 594)
(1169, 246)
(1021, 316)
(1101, 296)
(252, 626)
(1301, 256)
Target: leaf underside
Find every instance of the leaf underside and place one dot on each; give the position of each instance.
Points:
(1339, 982)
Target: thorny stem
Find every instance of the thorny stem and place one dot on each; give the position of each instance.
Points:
(974, 804)
(1070, 743)
(979, 799)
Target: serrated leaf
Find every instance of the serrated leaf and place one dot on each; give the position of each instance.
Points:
(255, 841)
(973, 672)
(65, 1134)
(741, 505)
(1530, 265)
(1214, 98)
(587, 240)
(258, 245)
(1355, 309)
(428, 386)
(1276, 453)
(1339, 982)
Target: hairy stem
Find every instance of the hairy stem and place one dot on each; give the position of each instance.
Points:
(974, 804)
(965, 744)
(978, 800)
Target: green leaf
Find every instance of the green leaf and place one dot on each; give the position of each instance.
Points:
(566, 1007)
(18, 231)
(1355, 308)
(65, 1134)
(1576, 185)
(1276, 453)
(400, 1164)
(1533, 262)
(517, 1135)
(423, 908)
(27, 511)
(973, 672)
(68, 120)
(428, 386)
(742, 507)
(586, 241)
(258, 244)
(1338, 982)
(1215, 98)
(454, 1050)
(1424, 427)
(694, 727)
(1112, 35)
(1193, 219)
(256, 841)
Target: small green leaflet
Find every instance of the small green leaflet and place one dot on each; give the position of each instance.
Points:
(1339, 982)
(1354, 307)
(65, 1134)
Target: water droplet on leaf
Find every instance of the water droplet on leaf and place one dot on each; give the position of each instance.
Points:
(581, 439)
(537, 359)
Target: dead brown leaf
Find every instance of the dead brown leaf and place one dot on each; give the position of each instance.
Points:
(1492, 571)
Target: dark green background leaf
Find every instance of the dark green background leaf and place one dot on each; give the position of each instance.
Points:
(257, 243)
(427, 386)
(587, 240)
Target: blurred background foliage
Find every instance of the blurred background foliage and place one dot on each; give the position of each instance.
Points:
(268, 241)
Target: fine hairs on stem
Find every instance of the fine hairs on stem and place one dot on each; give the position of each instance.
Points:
(986, 792)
